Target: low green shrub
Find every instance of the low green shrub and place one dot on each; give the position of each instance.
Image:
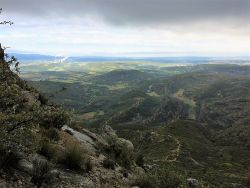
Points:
(120, 153)
(52, 117)
(43, 99)
(168, 179)
(8, 158)
(53, 134)
(145, 181)
(140, 160)
(47, 150)
(75, 158)
(160, 178)
(40, 171)
(10, 96)
(109, 164)
(88, 165)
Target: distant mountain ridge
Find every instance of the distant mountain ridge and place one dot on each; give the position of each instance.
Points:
(184, 59)
(34, 57)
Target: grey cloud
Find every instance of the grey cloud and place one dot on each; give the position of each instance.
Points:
(135, 11)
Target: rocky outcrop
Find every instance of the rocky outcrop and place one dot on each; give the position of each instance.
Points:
(84, 139)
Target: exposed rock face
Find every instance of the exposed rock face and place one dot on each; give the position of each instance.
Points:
(86, 140)
(99, 177)
(91, 140)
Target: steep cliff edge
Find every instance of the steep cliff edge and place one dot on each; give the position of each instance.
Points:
(39, 149)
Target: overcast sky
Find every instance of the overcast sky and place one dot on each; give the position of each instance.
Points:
(128, 27)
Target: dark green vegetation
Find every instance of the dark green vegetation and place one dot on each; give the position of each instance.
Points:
(30, 126)
(76, 159)
(159, 179)
(191, 120)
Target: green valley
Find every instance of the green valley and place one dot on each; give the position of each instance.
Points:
(193, 120)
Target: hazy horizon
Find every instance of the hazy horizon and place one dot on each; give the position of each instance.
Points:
(128, 28)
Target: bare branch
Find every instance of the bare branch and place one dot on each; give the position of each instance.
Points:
(18, 125)
(5, 47)
(5, 22)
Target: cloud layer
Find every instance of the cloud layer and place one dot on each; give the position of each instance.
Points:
(115, 26)
(135, 11)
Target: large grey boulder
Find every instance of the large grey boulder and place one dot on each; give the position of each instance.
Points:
(84, 139)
